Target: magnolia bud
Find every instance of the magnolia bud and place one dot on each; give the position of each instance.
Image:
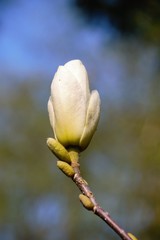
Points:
(73, 110)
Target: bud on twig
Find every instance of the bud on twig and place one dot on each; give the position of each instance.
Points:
(65, 168)
(58, 150)
(132, 236)
(86, 202)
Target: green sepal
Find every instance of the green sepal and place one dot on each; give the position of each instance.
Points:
(86, 202)
(65, 168)
(132, 236)
(58, 150)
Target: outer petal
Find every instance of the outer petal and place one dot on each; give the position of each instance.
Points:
(51, 115)
(69, 105)
(77, 68)
(92, 119)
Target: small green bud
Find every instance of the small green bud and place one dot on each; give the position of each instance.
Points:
(58, 150)
(132, 236)
(65, 168)
(86, 202)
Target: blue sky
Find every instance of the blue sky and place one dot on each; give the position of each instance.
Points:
(37, 36)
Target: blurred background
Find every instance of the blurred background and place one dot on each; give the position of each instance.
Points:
(119, 43)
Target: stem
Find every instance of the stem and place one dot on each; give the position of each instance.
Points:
(85, 189)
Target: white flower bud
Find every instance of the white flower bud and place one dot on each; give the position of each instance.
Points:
(73, 110)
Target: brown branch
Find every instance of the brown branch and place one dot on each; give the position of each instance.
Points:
(85, 189)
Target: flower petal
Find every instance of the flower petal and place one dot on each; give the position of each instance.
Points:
(69, 105)
(51, 115)
(77, 68)
(92, 119)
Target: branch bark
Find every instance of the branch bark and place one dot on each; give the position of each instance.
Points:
(85, 189)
